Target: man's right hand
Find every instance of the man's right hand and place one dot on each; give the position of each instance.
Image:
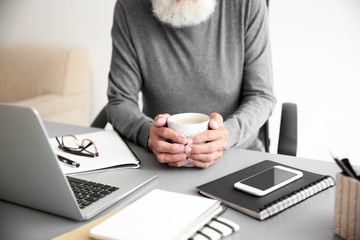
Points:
(174, 154)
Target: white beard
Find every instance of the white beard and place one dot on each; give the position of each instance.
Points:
(183, 13)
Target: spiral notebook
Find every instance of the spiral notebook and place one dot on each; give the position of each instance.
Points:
(264, 207)
(165, 215)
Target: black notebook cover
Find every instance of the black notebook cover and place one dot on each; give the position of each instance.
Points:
(272, 203)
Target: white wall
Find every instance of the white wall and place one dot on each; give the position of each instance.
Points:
(316, 58)
(316, 55)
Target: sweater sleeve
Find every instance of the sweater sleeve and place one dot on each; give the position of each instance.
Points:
(258, 99)
(125, 83)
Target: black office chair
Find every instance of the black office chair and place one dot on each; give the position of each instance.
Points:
(288, 131)
(287, 137)
(100, 121)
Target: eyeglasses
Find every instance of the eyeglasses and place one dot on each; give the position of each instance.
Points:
(69, 143)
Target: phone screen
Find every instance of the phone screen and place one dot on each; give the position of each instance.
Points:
(268, 178)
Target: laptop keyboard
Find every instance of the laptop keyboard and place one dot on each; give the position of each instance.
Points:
(87, 192)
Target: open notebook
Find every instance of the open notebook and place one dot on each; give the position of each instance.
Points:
(165, 215)
(113, 153)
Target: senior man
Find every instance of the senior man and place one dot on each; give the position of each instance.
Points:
(206, 56)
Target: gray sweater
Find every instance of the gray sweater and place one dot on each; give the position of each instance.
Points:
(221, 65)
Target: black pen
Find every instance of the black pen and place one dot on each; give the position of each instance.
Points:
(69, 162)
(345, 169)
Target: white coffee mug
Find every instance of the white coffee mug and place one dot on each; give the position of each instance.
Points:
(189, 124)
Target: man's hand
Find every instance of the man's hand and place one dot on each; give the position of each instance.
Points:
(171, 153)
(214, 143)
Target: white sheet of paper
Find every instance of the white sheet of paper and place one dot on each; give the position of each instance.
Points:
(160, 215)
(113, 152)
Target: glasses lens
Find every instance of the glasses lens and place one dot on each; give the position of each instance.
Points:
(70, 142)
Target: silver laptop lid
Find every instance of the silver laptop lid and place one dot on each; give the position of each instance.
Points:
(29, 171)
(30, 174)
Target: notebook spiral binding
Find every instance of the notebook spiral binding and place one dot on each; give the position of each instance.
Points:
(211, 231)
(206, 220)
(296, 197)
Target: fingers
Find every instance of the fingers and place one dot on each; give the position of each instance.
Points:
(161, 119)
(211, 135)
(208, 147)
(159, 131)
(216, 120)
(175, 157)
(178, 164)
(171, 153)
(202, 150)
(158, 140)
(173, 160)
(169, 134)
(166, 147)
(207, 154)
(216, 123)
(170, 158)
(201, 164)
(205, 160)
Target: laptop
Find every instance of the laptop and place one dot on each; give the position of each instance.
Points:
(30, 173)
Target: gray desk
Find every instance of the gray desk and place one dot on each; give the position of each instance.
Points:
(312, 219)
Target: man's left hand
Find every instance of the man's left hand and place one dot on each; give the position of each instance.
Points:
(214, 143)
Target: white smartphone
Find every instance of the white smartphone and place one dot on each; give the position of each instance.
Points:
(269, 180)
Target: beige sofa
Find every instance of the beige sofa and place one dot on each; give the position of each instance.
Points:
(54, 80)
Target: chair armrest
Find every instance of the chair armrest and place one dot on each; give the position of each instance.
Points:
(264, 136)
(100, 120)
(288, 130)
